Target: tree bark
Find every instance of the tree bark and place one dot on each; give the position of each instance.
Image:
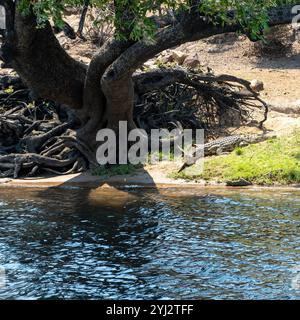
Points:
(42, 63)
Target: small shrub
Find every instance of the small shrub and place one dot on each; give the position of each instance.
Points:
(238, 151)
(116, 170)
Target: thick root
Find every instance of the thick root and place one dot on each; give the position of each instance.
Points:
(197, 100)
(35, 135)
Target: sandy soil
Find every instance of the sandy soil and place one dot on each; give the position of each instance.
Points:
(233, 54)
(150, 177)
(230, 54)
(280, 73)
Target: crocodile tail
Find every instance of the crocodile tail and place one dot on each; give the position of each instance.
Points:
(184, 166)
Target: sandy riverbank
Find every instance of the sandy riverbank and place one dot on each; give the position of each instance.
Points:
(146, 179)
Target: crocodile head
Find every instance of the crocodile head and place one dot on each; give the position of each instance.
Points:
(258, 138)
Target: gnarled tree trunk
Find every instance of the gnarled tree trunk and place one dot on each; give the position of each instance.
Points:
(101, 94)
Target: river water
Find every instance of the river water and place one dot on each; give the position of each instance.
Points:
(139, 244)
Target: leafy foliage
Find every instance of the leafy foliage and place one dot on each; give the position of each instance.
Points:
(251, 14)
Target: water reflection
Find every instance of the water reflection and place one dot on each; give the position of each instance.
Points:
(148, 245)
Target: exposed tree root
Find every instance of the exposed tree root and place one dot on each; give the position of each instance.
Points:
(196, 100)
(38, 137)
(32, 135)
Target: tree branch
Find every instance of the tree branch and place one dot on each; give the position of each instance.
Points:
(191, 27)
(82, 18)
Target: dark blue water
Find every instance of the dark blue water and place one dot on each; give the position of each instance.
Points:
(147, 245)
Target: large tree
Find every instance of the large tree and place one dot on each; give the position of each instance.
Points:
(102, 93)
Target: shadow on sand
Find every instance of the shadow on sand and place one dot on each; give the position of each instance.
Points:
(103, 191)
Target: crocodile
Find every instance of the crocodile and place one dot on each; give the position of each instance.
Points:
(222, 146)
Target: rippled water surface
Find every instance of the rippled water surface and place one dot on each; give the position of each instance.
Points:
(120, 244)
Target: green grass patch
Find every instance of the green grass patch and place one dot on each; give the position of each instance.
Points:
(276, 161)
(116, 170)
